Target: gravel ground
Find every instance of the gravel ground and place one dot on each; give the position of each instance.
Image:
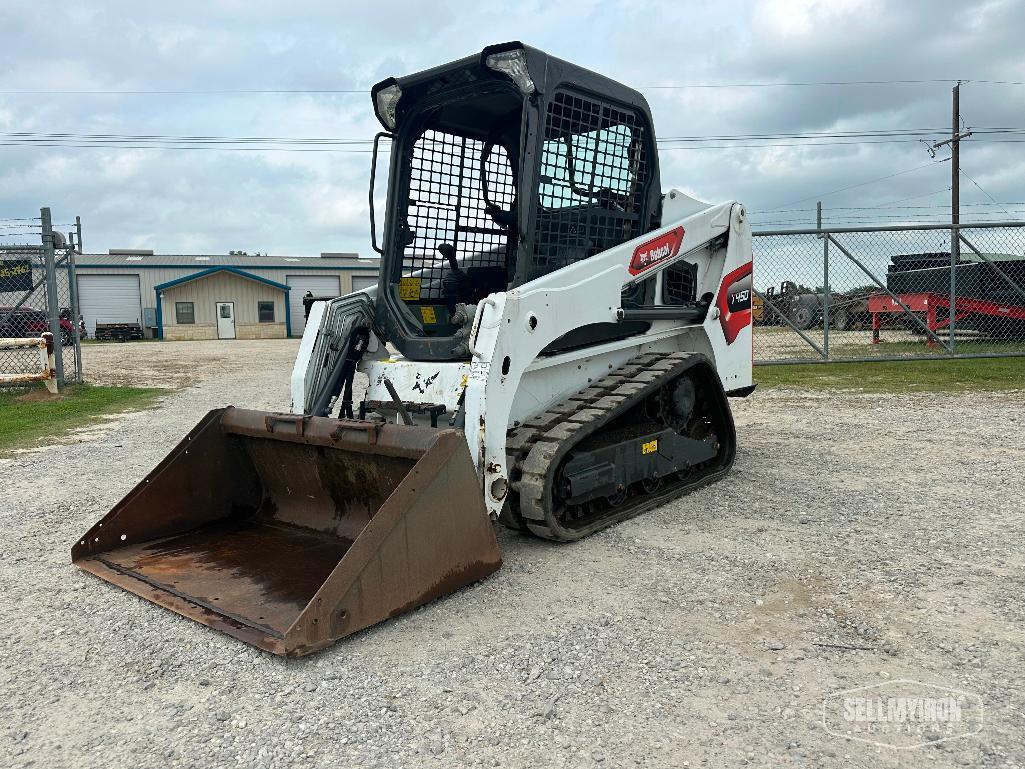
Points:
(888, 526)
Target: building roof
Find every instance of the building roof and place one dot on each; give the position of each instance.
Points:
(213, 270)
(142, 260)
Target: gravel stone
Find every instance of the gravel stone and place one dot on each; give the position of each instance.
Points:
(614, 651)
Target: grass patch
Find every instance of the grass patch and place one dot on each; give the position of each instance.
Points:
(27, 418)
(957, 375)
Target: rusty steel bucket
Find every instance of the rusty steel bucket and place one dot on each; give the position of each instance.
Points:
(291, 532)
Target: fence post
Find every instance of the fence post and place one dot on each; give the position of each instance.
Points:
(52, 308)
(825, 282)
(75, 246)
(955, 254)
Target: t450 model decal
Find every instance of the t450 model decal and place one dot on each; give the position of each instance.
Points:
(734, 301)
(657, 250)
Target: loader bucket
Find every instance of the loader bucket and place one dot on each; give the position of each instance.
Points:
(291, 532)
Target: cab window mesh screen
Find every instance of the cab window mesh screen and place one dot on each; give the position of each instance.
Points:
(446, 205)
(592, 180)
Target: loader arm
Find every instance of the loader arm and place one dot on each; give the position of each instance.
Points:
(510, 382)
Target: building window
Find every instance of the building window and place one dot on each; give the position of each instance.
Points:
(265, 311)
(184, 313)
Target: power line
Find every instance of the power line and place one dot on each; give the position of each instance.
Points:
(208, 139)
(191, 147)
(333, 91)
(816, 144)
(867, 132)
(273, 148)
(865, 183)
(330, 144)
(196, 139)
(212, 138)
(961, 170)
(184, 92)
(889, 204)
(870, 132)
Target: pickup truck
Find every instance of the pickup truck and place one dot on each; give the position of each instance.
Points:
(29, 322)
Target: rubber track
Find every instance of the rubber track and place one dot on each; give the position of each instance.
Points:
(539, 444)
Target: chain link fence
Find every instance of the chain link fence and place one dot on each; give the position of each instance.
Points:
(38, 294)
(880, 293)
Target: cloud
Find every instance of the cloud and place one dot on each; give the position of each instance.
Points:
(311, 202)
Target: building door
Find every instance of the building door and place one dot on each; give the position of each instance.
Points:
(225, 320)
(298, 285)
(360, 282)
(109, 299)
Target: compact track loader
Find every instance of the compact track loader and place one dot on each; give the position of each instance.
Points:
(551, 345)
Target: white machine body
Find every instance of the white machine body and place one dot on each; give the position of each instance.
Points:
(506, 380)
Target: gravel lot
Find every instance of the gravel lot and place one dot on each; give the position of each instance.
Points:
(687, 637)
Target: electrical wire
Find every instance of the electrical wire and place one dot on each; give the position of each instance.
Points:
(962, 171)
(213, 139)
(335, 91)
(134, 141)
(865, 183)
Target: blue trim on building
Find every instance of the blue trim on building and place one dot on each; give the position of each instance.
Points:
(220, 268)
(293, 267)
(161, 287)
(160, 315)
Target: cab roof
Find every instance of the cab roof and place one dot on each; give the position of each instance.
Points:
(547, 73)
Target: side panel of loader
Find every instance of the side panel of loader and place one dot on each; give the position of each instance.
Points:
(291, 532)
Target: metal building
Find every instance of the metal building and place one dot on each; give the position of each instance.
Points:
(210, 296)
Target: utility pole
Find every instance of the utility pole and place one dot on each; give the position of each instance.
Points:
(956, 135)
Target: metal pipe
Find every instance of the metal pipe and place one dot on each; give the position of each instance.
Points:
(825, 282)
(399, 405)
(73, 298)
(885, 359)
(955, 212)
(890, 228)
(52, 308)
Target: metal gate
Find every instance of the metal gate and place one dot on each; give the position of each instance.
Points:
(37, 295)
(886, 293)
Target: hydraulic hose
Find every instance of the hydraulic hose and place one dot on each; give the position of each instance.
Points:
(342, 375)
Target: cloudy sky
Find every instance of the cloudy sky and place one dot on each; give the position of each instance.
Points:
(187, 69)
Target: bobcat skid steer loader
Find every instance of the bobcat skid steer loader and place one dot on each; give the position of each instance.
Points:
(551, 344)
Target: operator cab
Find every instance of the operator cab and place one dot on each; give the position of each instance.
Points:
(505, 166)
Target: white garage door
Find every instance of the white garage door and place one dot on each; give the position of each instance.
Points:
(359, 282)
(298, 285)
(109, 299)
